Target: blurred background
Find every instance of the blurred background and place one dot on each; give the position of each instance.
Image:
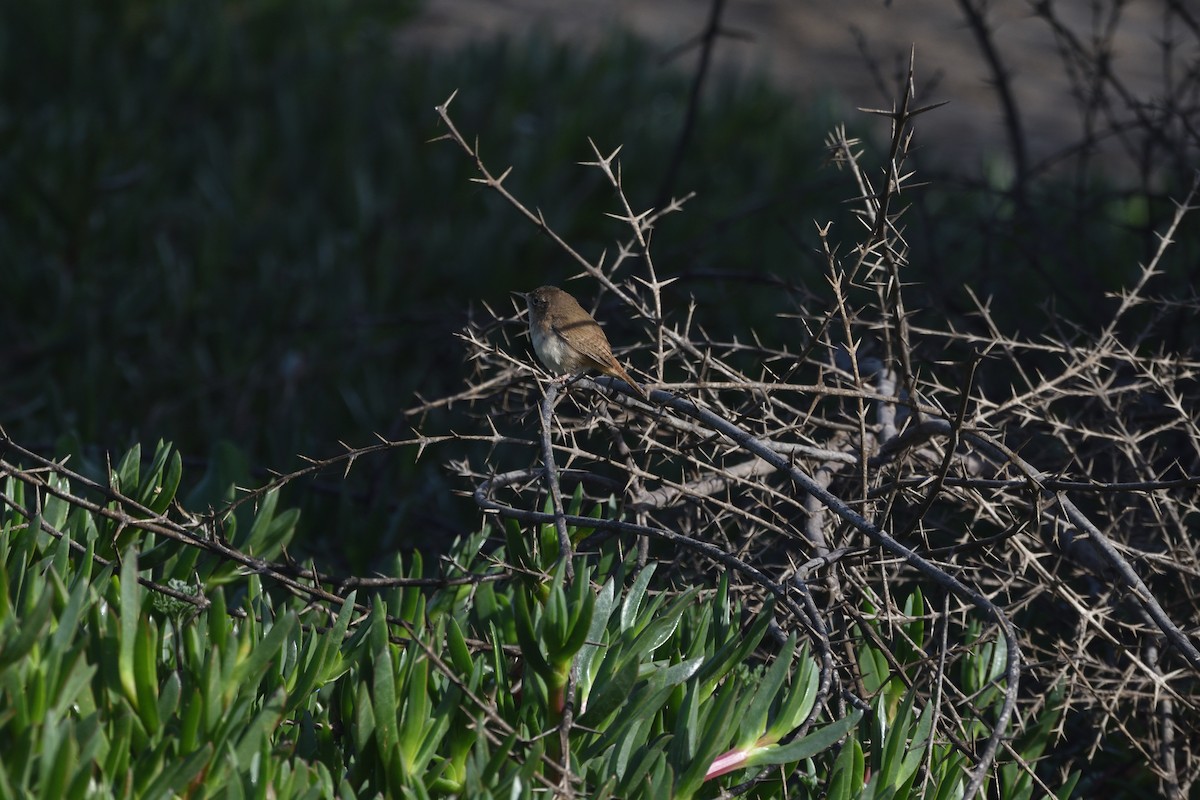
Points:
(229, 224)
(852, 54)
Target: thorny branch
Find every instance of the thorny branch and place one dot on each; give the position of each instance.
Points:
(733, 467)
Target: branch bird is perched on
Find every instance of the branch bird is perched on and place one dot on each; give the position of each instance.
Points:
(568, 340)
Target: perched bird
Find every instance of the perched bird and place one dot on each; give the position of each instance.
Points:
(568, 340)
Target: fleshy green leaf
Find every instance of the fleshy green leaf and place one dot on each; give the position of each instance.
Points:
(806, 746)
(848, 771)
(131, 604)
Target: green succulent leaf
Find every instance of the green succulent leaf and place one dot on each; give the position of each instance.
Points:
(848, 772)
(130, 611)
(754, 717)
(808, 746)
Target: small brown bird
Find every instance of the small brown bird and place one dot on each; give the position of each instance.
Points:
(568, 340)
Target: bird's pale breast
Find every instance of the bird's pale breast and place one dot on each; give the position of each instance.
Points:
(555, 353)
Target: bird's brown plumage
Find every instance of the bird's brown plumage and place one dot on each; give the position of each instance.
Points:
(568, 340)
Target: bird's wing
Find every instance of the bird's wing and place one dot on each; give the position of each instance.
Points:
(592, 347)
